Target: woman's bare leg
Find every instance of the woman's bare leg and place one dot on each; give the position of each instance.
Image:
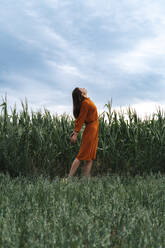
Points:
(87, 168)
(74, 167)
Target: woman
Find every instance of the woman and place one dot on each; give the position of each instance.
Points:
(84, 111)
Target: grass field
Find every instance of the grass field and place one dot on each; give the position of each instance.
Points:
(109, 211)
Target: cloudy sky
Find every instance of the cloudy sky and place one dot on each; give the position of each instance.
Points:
(114, 49)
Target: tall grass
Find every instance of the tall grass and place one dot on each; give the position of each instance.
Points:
(35, 142)
(109, 211)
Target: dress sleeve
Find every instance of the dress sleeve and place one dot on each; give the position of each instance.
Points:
(82, 116)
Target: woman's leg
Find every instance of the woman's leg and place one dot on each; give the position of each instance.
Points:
(87, 168)
(74, 167)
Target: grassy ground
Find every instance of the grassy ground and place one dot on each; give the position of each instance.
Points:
(111, 211)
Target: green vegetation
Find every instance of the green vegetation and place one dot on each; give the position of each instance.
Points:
(39, 143)
(109, 211)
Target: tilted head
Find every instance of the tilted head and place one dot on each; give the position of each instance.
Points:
(78, 95)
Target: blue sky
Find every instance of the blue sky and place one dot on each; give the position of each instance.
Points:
(115, 49)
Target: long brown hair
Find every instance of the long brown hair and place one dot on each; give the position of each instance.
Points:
(77, 100)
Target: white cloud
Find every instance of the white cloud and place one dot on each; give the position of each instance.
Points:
(131, 62)
(127, 15)
(53, 37)
(66, 69)
(38, 94)
(58, 3)
(142, 57)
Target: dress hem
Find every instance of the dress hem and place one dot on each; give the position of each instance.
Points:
(86, 159)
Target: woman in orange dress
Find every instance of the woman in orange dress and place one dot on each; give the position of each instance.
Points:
(84, 111)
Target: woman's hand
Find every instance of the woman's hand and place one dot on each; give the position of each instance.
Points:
(73, 137)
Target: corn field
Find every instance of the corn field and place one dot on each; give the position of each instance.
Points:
(34, 143)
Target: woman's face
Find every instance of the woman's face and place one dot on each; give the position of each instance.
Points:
(84, 91)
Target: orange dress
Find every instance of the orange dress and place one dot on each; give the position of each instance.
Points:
(89, 116)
